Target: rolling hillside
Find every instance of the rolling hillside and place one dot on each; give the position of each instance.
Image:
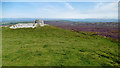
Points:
(52, 46)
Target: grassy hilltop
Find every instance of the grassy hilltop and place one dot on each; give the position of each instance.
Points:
(51, 46)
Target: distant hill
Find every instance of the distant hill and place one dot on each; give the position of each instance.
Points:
(8, 20)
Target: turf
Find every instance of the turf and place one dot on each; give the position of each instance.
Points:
(51, 46)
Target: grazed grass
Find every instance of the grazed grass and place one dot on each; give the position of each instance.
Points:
(51, 46)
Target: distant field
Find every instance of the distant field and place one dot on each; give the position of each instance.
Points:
(107, 29)
(51, 46)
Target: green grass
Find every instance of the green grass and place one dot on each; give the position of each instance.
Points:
(51, 46)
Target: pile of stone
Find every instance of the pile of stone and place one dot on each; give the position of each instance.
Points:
(28, 25)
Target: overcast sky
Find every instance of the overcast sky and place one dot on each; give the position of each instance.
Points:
(60, 10)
